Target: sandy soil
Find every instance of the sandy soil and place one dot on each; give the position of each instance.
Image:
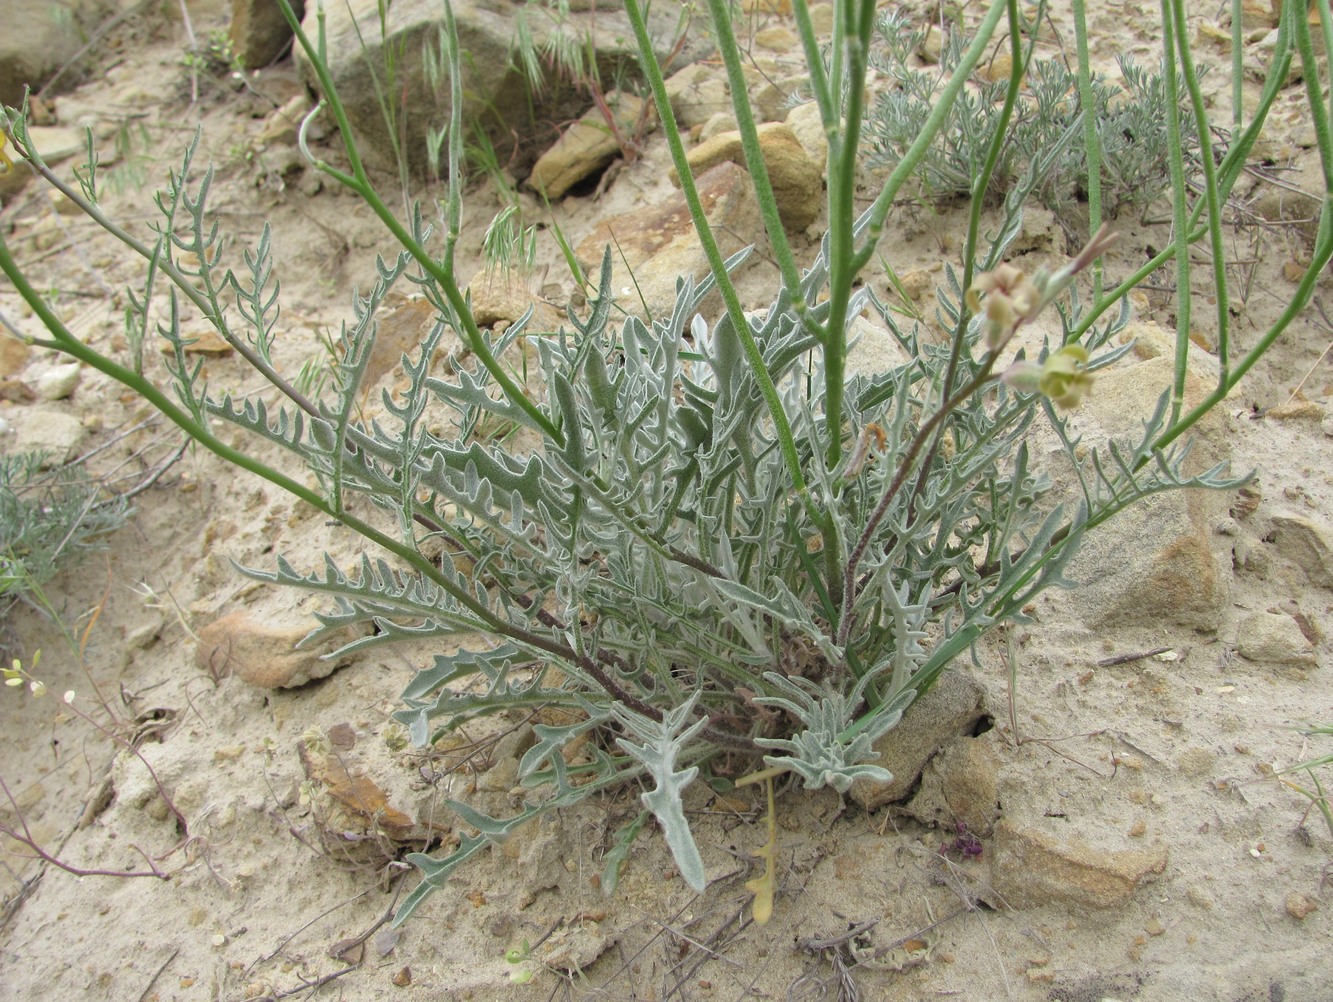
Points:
(272, 887)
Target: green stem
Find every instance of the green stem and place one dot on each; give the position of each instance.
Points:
(1017, 69)
(1092, 145)
(1229, 171)
(156, 255)
(1322, 252)
(1212, 203)
(1237, 67)
(1179, 210)
(360, 182)
(935, 121)
(754, 156)
(716, 263)
(857, 28)
(814, 63)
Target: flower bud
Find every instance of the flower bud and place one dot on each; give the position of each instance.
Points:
(1025, 377)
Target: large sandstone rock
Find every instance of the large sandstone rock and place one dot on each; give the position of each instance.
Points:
(797, 180)
(658, 245)
(950, 709)
(497, 98)
(263, 653)
(587, 146)
(40, 39)
(259, 33)
(1160, 562)
(1030, 868)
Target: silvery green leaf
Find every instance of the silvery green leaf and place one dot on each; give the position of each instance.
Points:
(662, 744)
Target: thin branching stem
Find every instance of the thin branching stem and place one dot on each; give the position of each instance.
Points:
(782, 426)
(359, 181)
(904, 470)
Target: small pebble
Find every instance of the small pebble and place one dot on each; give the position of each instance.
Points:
(1299, 905)
(59, 382)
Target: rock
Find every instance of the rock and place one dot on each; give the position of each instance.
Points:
(51, 431)
(586, 147)
(201, 340)
(500, 300)
(259, 33)
(13, 356)
(41, 39)
(951, 709)
(282, 126)
(697, 93)
(58, 382)
(1273, 638)
(61, 204)
(1306, 543)
(502, 776)
(1159, 563)
(659, 245)
(1259, 14)
(1297, 409)
(997, 69)
(798, 182)
(263, 655)
(770, 97)
(497, 97)
(1299, 906)
(932, 45)
(960, 785)
(776, 38)
(1211, 34)
(1297, 200)
(401, 327)
(354, 804)
(821, 18)
(1030, 868)
(14, 180)
(575, 948)
(15, 391)
(874, 350)
(1037, 232)
(54, 144)
(721, 122)
(808, 127)
(138, 779)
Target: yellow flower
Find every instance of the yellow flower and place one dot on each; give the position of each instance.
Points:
(6, 165)
(1064, 376)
